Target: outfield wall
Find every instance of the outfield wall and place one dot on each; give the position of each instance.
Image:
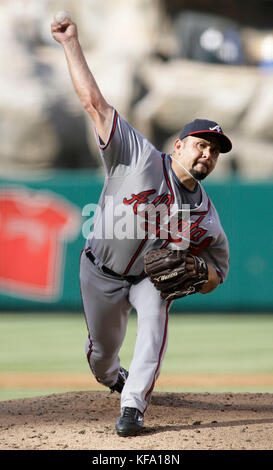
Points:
(41, 229)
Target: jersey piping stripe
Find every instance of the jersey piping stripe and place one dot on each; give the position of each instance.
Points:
(165, 244)
(136, 254)
(147, 236)
(166, 177)
(202, 212)
(161, 351)
(104, 147)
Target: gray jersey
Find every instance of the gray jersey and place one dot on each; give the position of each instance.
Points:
(137, 174)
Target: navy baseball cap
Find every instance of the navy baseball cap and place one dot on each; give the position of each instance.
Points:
(203, 126)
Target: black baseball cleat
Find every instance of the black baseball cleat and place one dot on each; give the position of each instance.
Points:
(130, 422)
(122, 377)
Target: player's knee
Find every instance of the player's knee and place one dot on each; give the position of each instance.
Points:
(97, 352)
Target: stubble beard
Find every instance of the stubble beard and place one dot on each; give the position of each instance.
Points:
(198, 175)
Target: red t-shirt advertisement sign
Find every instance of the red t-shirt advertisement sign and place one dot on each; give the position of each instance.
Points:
(34, 228)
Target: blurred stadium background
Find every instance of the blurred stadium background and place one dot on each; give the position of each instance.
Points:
(161, 64)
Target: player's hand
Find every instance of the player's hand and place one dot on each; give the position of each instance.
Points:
(190, 266)
(64, 31)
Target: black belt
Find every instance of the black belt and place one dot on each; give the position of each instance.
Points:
(132, 279)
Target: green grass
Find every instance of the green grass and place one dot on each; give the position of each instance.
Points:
(197, 343)
(223, 343)
(42, 342)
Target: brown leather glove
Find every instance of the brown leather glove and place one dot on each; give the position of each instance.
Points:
(168, 272)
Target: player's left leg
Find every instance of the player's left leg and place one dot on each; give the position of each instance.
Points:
(106, 309)
(150, 347)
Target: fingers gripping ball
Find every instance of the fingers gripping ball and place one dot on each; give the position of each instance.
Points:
(62, 15)
(168, 272)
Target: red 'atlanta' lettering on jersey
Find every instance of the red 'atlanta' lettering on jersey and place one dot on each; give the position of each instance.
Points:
(142, 198)
(174, 227)
(191, 230)
(139, 198)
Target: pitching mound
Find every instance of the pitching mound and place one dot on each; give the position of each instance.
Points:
(173, 421)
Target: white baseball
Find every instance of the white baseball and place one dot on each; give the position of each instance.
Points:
(62, 15)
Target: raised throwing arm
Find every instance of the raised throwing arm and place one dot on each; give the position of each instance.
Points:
(101, 112)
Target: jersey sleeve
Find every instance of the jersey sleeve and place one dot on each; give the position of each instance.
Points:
(124, 148)
(218, 255)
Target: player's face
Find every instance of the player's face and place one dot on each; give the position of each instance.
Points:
(200, 155)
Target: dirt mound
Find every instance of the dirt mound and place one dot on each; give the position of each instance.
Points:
(173, 421)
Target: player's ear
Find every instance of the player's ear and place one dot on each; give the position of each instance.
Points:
(177, 144)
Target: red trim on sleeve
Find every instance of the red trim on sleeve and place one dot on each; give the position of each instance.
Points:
(114, 125)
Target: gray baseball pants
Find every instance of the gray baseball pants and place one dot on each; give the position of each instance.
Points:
(107, 303)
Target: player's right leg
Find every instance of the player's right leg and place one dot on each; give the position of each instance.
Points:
(150, 348)
(106, 310)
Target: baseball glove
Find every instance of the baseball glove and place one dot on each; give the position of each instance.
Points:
(168, 272)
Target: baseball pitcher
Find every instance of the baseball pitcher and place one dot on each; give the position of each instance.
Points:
(173, 245)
